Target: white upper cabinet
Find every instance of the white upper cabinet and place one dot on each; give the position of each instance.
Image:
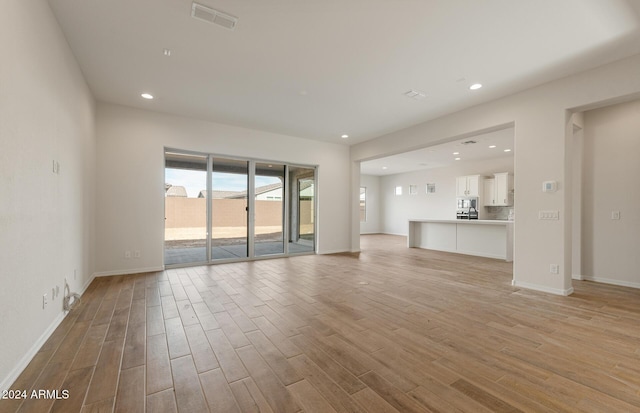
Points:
(461, 186)
(503, 192)
(468, 185)
(490, 192)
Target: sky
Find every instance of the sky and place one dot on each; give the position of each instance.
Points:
(196, 181)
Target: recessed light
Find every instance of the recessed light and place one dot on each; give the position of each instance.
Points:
(344, 136)
(457, 159)
(147, 96)
(384, 167)
(475, 86)
(492, 146)
(456, 153)
(507, 150)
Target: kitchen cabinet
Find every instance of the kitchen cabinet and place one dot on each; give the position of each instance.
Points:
(489, 192)
(498, 191)
(484, 238)
(468, 185)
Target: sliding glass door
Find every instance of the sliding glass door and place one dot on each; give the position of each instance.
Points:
(302, 210)
(269, 209)
(220, 209)
(229, 208)
(185, 232)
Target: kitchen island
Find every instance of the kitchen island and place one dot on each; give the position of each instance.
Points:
(484, 238)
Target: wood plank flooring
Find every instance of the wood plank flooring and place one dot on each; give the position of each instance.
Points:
(390, 329)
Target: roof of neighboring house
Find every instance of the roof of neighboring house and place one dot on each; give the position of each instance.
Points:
(178, 191)
(268, 188)
(220, 194)
(259, 190)
(240, 194)
(305, 185)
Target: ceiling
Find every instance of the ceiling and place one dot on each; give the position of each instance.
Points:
(484, 146)
(319, 69)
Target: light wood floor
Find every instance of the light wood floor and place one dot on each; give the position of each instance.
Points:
(388, 330)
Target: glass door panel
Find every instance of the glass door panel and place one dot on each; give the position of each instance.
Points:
(185, 234)
(302, 210)
(269, 209)
(230, 185)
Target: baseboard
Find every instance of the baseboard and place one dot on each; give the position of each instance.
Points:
(26, 359)
(127, 272)
(536, 287)
(611, 281)
(577, 277)
(343, 251)
(87, 284)
(482, 254)
(424, 247)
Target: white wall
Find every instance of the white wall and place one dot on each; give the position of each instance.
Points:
(610, 248)
(541, 117)
(373, 204)
(46, 219)
(130, 200)
(397, 210)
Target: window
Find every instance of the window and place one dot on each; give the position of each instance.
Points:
(363, 204)
(413, 189)
(398, 190)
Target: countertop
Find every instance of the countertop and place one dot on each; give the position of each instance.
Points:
(465, 221)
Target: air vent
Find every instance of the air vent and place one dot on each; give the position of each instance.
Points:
(471, 142)
(415, 94)
(210, 15)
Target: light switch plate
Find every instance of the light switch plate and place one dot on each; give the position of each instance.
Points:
(549, 215)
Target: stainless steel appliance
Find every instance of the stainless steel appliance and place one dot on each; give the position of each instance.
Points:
(467, 208)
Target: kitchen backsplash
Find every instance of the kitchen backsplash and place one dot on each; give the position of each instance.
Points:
(498, 212)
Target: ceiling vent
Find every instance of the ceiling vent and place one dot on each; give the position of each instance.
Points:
(210, 15)
(415, 94)
(471, 142)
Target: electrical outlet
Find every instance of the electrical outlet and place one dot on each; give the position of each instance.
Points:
(44, 301)
(136, 254)
(615, 214)
(554, 268)
(127, 255)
